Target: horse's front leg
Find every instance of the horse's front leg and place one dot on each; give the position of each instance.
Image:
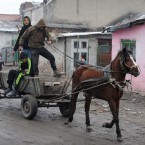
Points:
(72, 108)
(87, 108)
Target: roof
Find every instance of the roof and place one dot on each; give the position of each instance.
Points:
(10, 17)
(83, 34)
(48, 2)
(131, 20)
(8, 30)
(8, 22)
(9, 26)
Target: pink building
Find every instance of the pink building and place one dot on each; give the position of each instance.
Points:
(130, 33)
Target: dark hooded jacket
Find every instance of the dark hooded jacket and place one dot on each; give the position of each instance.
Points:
(24, 28)
(36, 36)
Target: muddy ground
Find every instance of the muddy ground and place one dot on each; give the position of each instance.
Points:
(48, 126)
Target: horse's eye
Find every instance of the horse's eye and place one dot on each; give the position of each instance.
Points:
(134, 59)
(128, 58)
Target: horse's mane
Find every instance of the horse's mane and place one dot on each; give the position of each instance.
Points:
(118, 55)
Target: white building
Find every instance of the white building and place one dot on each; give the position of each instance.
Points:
(92, 45)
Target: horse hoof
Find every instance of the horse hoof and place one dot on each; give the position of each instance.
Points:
(106, 125)
(88, 129)
(119, 139)
(66, 123)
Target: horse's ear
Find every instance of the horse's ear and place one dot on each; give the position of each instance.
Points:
(124, 50)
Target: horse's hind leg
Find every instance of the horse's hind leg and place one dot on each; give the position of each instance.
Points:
(87, 108)
(114, 106)
(72, 107)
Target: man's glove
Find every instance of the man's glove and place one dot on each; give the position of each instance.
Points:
(20, 48)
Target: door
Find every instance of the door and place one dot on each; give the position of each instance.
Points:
(104, 52)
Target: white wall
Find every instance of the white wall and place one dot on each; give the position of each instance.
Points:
(92, 42)
(93, 13)
(35, 14)
(44, 64)
(5, 37)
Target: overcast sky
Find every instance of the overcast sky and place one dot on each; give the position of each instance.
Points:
(12, 6)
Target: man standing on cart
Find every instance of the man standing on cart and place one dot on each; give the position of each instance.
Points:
(36, 35)
(16, 75)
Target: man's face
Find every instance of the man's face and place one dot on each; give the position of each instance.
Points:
(24, 60)
(26, 21)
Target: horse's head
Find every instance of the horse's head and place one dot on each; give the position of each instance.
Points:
(128, 63)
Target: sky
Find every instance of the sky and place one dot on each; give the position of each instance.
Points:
(12, 6)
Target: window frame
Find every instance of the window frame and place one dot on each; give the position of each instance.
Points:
(129, 42)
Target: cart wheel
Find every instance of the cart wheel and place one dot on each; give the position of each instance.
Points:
(29, 106)
(64, 109)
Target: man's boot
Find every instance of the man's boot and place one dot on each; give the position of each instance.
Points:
(56, 73)
(14, 93)
(8, 90)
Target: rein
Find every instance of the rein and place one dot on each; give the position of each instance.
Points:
(120, 85)
(82, 90)
(53, 47)
(77, 62)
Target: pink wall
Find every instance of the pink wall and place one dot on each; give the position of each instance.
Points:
(134, 33)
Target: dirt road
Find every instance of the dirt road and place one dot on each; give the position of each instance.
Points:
(48, 126)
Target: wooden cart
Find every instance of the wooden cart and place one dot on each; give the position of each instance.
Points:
(42, 91)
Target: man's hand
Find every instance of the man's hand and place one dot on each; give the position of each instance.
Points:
(20, 48)
(25, 71)
(49, 42)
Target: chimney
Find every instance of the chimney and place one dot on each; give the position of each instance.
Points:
(25, 6)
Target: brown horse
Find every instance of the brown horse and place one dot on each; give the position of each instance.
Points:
(111, 91)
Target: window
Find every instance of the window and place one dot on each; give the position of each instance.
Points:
(84, 55)
(104, 48)
(76, 58)
(76, 44)
(129, 44)
(84, 44)
(80, 44)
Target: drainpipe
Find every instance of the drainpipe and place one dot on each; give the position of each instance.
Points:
(6, 56)
(88, 54)
(65, 55)
(78, 47)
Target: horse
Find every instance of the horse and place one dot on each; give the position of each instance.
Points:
(111, 91)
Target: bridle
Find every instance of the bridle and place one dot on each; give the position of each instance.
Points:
(125, 67)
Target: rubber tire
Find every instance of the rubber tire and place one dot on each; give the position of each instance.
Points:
(64, 109)
(32, 106)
